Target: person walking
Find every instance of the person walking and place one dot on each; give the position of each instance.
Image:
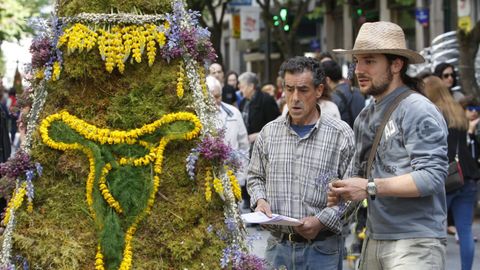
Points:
(400, 163)
(461, 202)
(348, 99)
(294, 157)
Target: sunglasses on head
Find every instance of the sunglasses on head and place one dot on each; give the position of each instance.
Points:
(473, 108)
(446, 75)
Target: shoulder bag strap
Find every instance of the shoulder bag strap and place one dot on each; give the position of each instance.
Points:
(379, 132)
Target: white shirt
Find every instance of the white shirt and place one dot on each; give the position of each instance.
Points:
(230, 119)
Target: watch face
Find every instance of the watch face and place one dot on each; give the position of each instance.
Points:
(371, 188)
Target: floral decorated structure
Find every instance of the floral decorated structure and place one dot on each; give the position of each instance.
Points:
(118, 102)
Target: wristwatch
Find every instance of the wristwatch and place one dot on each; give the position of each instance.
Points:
(371, 188)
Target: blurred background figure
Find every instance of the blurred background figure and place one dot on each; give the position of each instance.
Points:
(472, 111)
(232, 80)
(325, 56)
(257, 107)
(228, 92)
(13, 114)
(269, 89)
(229, 119)
(461, 201)
(447, 73)
(5, 141)
(348, 99)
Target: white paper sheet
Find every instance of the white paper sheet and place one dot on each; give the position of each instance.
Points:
(261, 218)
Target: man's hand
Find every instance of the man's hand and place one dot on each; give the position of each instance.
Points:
(310, 227)
(352, 189)
(332, 198)
(264, 207)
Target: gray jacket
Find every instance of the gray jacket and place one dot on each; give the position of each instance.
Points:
(414, 141)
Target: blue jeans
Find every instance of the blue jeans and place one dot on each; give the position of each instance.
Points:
(461, 202)
(324, 254)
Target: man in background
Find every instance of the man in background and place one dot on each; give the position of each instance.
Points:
(228, 91)
(348, 99)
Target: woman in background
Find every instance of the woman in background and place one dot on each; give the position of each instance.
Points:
(446, 72)
(461, 201)
(232, 80)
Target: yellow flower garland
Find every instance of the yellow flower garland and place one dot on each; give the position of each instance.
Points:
(217, 185)
(208, 189)
(15, 202)
(237, 191)
(56, 71)
(117, 44)
(104, 136)
(180, 79)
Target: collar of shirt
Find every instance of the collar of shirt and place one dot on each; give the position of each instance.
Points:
(388, 99)
(288, 122)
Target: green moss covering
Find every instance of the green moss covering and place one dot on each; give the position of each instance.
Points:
(60, 234)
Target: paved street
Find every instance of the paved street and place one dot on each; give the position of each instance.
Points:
(453, 251)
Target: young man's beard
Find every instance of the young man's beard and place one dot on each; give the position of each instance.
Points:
(376, 90)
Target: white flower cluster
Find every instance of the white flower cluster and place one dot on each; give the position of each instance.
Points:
(40, 96)
(114, 18)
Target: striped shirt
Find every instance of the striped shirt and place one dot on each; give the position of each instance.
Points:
(292, 173)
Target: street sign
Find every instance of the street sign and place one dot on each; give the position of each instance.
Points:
(422, 16)
(240, 3)
(465, 23)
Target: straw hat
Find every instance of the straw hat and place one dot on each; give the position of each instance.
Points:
(382, 37)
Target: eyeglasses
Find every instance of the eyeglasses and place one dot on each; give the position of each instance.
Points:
(473, 108)
(446, 75)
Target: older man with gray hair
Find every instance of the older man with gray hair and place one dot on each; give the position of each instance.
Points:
(257, 108)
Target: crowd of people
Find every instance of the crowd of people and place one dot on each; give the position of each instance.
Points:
(317, 148)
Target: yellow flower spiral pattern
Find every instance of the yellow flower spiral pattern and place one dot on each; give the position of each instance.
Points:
(107, 136)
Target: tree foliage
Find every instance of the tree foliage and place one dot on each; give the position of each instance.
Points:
(287, 41)
(468, 43)
(213, 13)
(14, 15)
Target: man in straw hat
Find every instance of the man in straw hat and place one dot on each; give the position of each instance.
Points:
(404, 178)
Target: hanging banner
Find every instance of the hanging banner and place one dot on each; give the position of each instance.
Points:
(235, 25)
(250, 23)
(463, 8)
(422, 16)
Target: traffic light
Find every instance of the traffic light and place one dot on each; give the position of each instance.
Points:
(282, 19)
(276, 21)
(359, 12)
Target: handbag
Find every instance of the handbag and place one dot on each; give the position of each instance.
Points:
(455, 175)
